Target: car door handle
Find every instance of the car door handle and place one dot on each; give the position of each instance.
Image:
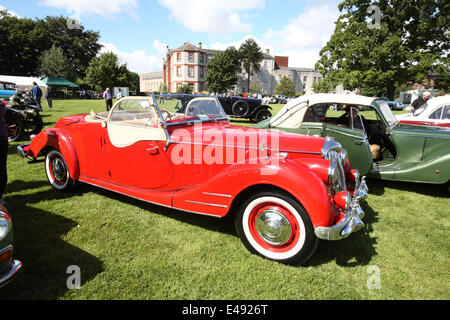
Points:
(154, 150)
(359, 142)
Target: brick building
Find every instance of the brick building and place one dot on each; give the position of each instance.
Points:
(187, 65)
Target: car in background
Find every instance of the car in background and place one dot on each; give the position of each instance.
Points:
(406, 98)
(378, 145)
(392, 104)
(7, 90)
(9, 267)
(249, 108)
(436, 112)
(284, 191)
(234, 106)
(90, 94)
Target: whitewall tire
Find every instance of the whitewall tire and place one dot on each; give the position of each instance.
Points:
(57, 171)
(274, 225)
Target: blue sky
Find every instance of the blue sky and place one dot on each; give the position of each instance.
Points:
(139, 30)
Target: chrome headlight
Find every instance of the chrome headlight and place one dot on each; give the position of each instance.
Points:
(330, 145)
(336, 174)
(5, 226)
(333, 174)
(333, 151)
(344, 156)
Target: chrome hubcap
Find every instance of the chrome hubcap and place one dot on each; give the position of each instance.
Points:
(58, 169)
(273, 227)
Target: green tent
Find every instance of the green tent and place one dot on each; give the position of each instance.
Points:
(59, 82)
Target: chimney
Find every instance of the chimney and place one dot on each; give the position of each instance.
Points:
(200, 45)
(268, 51)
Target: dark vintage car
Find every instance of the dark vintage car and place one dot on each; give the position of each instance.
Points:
(284, 191)
(248, 108)
(234, 106)
(23, 116)
(378, 145)
(8, 266)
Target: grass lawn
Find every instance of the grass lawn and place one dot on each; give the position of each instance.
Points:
(127, 249)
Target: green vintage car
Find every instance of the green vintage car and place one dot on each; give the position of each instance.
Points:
(8, 266)
(378, 146)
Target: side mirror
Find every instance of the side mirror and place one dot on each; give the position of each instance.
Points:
(104, 124)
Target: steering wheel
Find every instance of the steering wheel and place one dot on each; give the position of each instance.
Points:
(166, 114)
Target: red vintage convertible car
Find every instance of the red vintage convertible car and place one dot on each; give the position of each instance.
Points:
(286, 191)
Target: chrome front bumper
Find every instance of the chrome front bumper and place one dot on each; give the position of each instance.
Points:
(21, 152)
(16, 265)
(352, 221)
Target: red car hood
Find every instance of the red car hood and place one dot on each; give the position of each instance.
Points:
(224, 134)
(246, 137)
(68, 120)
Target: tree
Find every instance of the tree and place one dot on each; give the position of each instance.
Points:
(322, 86)
(105, 71)
(162, 87)
(79, 45)
(379, 53)
(19, 46)
(250, 55)
(53, 63)
(221, 71)
(255, 86)
(185, 88)
(23, 41)
(127, 78)
(286, 87)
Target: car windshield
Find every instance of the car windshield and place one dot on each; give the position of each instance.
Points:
(10, 86)
(420, 110)
(185, 107)
(387, 113)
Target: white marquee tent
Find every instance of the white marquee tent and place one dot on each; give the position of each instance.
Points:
(25, 83)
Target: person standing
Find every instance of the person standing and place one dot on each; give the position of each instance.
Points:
(37, 94)
(49, 97)
(107, 96)
(3, 152)
(420, 101)
(119, 94)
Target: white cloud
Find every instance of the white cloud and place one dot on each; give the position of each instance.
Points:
(301, 39)
(105, 8)
(12, 13)
(160, 48)
(212, 16)
(139, 61)
(237, 44)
